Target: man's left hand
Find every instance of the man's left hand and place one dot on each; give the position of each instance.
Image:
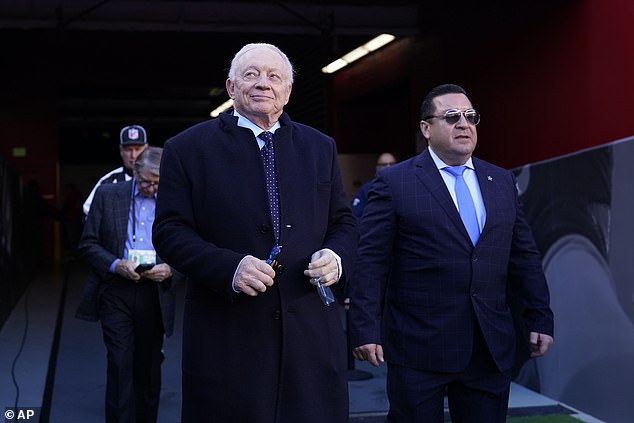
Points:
(539, 343)
(322, 267)
(158, 273)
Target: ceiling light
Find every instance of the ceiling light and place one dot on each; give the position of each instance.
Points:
(224, 106)
(358, 53)
(379, 41)
(355, 54)
(334, 66)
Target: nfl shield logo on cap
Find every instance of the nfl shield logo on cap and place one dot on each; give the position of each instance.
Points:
(133, 135)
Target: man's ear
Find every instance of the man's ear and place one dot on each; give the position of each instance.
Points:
(288, 94)
(424, 129)
(229, 86)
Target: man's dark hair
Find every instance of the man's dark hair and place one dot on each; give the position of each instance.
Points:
(428, 108)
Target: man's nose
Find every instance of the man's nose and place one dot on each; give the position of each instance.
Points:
(150, 190)
(262, 81)
(462, 122)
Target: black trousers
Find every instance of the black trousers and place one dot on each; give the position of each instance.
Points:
(133, 332)
(478, 394)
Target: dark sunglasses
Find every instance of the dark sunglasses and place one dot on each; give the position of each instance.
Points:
(452, 116)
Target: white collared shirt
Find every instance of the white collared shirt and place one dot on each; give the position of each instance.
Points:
(471, 180)
(246, 123)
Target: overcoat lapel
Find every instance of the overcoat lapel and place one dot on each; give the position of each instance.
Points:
(291, 177)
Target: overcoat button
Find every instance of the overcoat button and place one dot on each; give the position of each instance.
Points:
(279, 270)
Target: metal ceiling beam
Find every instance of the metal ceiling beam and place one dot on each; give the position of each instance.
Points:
(212, 16)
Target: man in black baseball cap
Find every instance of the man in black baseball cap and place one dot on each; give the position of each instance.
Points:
(132, 142)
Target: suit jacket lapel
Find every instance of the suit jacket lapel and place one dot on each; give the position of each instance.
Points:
(428, 174)
(486, 189)
(122, 213)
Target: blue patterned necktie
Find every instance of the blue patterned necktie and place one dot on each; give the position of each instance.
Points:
(466, 207)
(268, 159)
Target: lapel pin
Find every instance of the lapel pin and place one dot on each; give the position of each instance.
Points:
(489, 178)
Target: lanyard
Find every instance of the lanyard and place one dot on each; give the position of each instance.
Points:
(133, 205)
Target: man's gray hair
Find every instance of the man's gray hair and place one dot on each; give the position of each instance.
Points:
(149, 160)
(253, 46)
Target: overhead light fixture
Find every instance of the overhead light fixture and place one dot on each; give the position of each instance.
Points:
(359, 52)
(224, 106)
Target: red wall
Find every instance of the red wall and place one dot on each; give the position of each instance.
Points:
(568, 86)
(610, 61)
(29, 82)
(32, 125)
(561, 83)
(368, 107)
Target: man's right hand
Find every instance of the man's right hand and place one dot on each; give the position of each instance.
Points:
(371, 352)
(125, 268)
(253, 276)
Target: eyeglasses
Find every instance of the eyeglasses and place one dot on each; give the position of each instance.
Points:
(452, 116)
(385, 164)
(147, 184)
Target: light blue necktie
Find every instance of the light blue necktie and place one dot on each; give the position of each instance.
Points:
(466, 207)
(268, 159)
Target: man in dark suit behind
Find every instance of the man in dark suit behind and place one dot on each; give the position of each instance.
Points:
(429, 298)
(135, 307)
(361, 197)
(258, 343)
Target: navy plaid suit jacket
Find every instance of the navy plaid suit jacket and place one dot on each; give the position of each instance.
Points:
(103, 241)
(420, 286)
